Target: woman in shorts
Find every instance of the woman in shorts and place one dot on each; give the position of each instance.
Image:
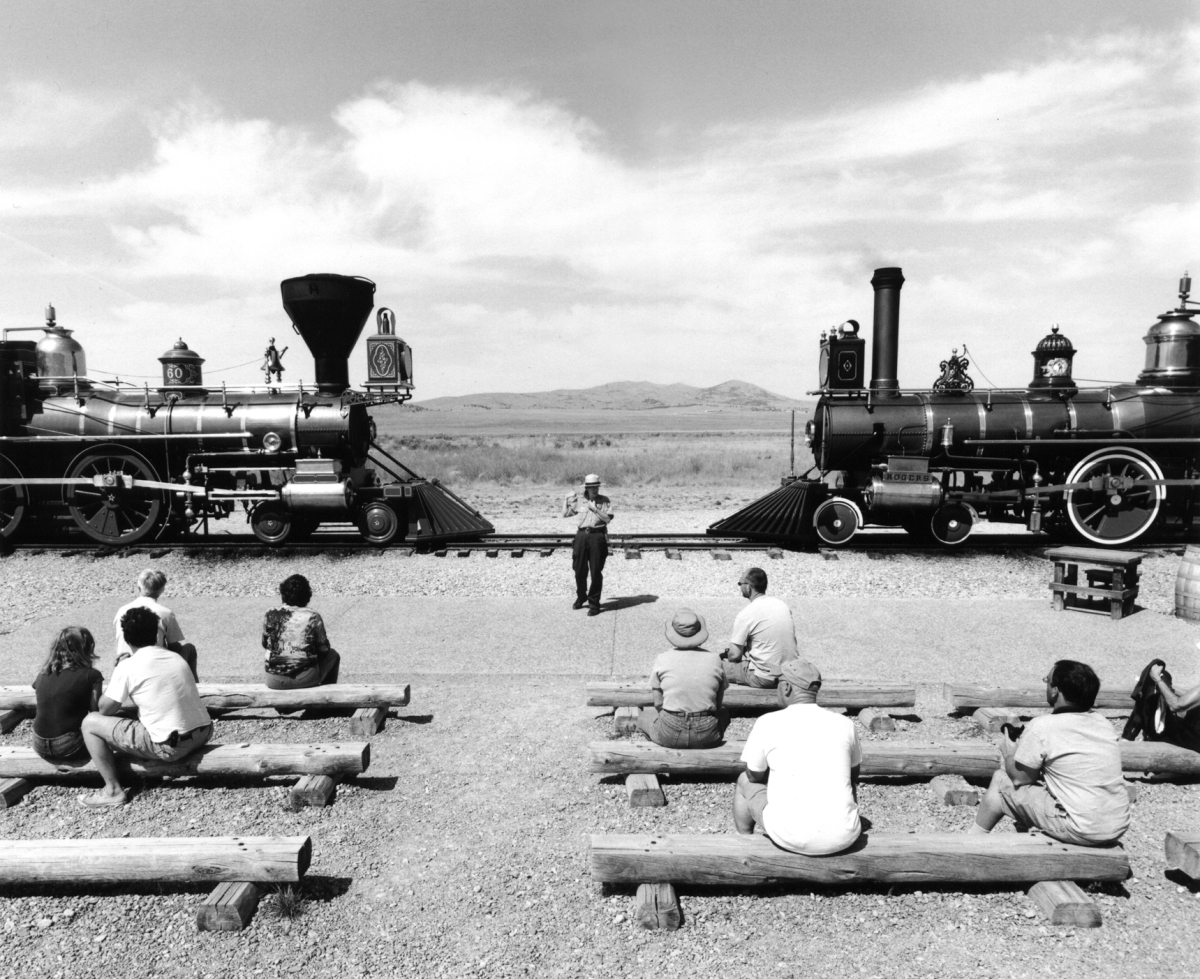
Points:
(68, 688)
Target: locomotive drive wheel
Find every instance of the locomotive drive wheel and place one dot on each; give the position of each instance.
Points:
(378, 523)
(12, 500)
(836, 521)
(109, 511)
(1110, 511)
(271, 523)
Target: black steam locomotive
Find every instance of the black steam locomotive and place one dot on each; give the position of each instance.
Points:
(120, 465)
(1109, 466)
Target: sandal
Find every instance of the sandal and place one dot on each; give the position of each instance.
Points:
(101, 800)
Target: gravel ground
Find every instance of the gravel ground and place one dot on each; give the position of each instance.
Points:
(463, 850)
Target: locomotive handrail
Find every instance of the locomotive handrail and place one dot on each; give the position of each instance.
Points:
(1181, 440)
(191, 436)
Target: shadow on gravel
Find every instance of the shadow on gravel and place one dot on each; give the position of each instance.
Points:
(381, 783)
(319, 887)
(411, 718)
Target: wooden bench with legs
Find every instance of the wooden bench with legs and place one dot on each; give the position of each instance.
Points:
(1112, 579)
(236, 864)
(627, 696)
(643, 761)
(369, 701)
(655, 864)
(320, 765)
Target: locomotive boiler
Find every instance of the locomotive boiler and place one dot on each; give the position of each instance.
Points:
(121, 464)
(1110, 466)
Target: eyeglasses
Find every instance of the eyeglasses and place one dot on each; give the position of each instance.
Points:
(743, 583)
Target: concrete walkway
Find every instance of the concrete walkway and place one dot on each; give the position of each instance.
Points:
(917, 640)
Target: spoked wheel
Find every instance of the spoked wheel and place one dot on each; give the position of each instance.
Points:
(378, 523)
(1110, 510)
(271, 523)
(12, 500)
(836, 521)
(111, 508)
(952, 524)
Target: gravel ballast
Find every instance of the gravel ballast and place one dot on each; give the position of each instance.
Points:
(463, 850)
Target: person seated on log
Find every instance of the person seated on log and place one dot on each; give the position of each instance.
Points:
(764, 635)
(688, 683)
(298, 651)
(1063, 776)
(171, 721)
(68, 688)
(150, 585)
(800, 783)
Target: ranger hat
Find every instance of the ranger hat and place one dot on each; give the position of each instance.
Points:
(687, 629)
(800, 673)
(591, 479)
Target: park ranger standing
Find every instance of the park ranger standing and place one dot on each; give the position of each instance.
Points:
(594, 512)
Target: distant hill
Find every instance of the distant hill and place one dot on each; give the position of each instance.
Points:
(628, 396)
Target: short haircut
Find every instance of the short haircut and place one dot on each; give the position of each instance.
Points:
(295, 590)
(139, 626)
(757, 578)
(152, 582)
(1076, 681)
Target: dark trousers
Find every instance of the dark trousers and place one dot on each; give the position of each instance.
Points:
(589, 554)
(324, 673)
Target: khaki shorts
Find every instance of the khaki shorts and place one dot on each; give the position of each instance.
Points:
(755, 794)
(1033, 807)
(128, 736)
(741, 674)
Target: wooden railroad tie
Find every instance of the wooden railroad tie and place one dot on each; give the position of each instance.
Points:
(954, 790)
(657, 907)
(775, 553)
(625, 720)
(517, 552)
(312, 790)
(876, 721)
(644, 791)
(12, 791)
(992, 719)
(465, 552)
(1064, 902)
(441, 553)
(10, 719)
(674, 554)
(493, 552)
(1183, 852)
(368, 721)
(722, 556)
(230, 907)
(546, 551)
(633, 554)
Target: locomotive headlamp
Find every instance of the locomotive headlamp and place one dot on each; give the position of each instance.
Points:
(389, 359)
(272, 442)
(810, 432)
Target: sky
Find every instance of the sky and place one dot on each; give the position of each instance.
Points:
(559, 195)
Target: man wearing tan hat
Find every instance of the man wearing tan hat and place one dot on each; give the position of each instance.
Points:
(590, 550)
(801, 771)
(688, 685)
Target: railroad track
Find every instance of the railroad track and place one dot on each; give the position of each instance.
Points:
(871, 541)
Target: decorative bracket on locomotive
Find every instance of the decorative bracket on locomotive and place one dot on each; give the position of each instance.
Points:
(1111, 466)
(120, 465)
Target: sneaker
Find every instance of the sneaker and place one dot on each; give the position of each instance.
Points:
(102, 800)
(579, 603)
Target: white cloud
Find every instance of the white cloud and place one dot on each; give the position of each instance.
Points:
(36, 115)
(505, 229)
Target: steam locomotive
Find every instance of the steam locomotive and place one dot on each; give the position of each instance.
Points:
(1108, 466)
(121, 465)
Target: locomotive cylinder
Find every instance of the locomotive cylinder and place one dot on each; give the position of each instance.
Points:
(313, 497)
(885, 335)
(892, 497)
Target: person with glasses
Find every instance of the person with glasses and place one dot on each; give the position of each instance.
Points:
(1063, 776)
(764, 636)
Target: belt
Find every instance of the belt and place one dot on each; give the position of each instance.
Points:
(593, 530)
(693, 713)
(176, 737)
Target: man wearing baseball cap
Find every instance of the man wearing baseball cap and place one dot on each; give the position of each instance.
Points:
(590, 551)
(799, 786)
(688, 684)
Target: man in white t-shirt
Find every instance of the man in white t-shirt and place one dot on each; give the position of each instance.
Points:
(171, 721)
(764, 635)
(150, 586)
(799, 786)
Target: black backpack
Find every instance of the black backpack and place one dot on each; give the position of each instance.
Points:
(1154, 720)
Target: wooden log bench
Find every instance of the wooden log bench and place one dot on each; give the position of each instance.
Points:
(369, 701)
(236, 864)
(963, 697)
(970, 759)
(657, 863)
(1112, 579)
(627, 696)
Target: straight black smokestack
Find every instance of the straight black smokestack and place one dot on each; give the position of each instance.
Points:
(885, 337)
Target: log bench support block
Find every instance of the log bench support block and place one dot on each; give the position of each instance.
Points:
(953, 790)
(229, 907)
(1064, 902)
(1132, 789)
(644, 791)
(367, 721)
(625, 720)
(876, 721)
(1183, 852)
(312, 790)
(12, 791)
(9, 719)
(657, 908)
(991, 719)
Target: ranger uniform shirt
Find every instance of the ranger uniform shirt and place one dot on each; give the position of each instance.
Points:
(587, 518)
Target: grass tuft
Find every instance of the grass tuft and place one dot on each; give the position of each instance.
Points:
(286, 902)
